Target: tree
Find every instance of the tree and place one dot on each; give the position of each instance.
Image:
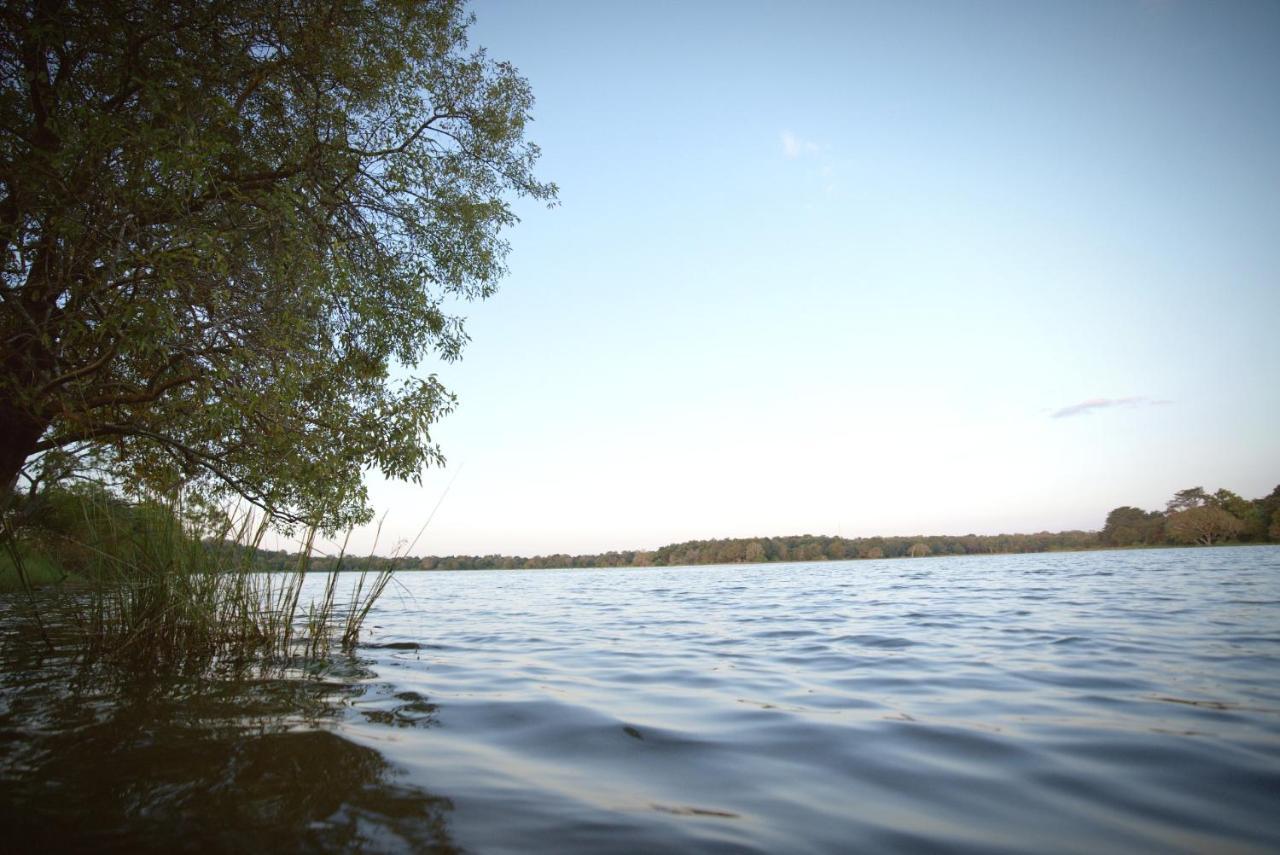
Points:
(1203, 524)
(1254, 524)
(1126, 526)
(1268, 509)
(1192, 497)
(229, 228)
(809, 552)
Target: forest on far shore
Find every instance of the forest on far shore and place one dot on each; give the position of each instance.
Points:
(1192, 516)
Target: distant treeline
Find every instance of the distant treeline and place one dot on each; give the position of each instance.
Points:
(1196, 516)
(757, 550)
(1192, 516)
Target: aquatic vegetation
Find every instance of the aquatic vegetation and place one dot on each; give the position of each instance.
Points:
(172, 691)
(155, 583)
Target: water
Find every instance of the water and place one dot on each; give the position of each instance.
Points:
(1119, 701)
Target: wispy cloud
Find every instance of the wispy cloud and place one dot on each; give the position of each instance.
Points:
(1085, 407)
(794, 147)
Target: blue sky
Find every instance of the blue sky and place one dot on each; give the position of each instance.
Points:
(870, 268)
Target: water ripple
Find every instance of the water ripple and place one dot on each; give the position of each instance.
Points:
(1081, 702)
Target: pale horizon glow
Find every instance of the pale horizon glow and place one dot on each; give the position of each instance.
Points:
(865, 269)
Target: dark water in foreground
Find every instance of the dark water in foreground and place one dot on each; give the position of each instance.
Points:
(1120, 701)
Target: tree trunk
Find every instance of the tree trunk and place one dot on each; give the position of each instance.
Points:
(19, 434)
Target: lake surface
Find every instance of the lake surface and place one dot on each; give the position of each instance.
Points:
(1117, 701)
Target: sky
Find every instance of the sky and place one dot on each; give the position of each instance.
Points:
(868, 268)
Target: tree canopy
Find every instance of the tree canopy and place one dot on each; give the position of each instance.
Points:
(230, 228)
(1203, 524)
(1127, 526)
(1195, 515)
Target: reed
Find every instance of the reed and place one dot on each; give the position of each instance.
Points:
(146, 586)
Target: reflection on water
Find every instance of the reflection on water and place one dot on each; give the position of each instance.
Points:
(1121, 701)
(236, 763)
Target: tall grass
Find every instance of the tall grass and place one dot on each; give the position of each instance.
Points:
(145, 586)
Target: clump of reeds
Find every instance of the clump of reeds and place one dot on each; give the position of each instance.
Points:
(147, 586)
